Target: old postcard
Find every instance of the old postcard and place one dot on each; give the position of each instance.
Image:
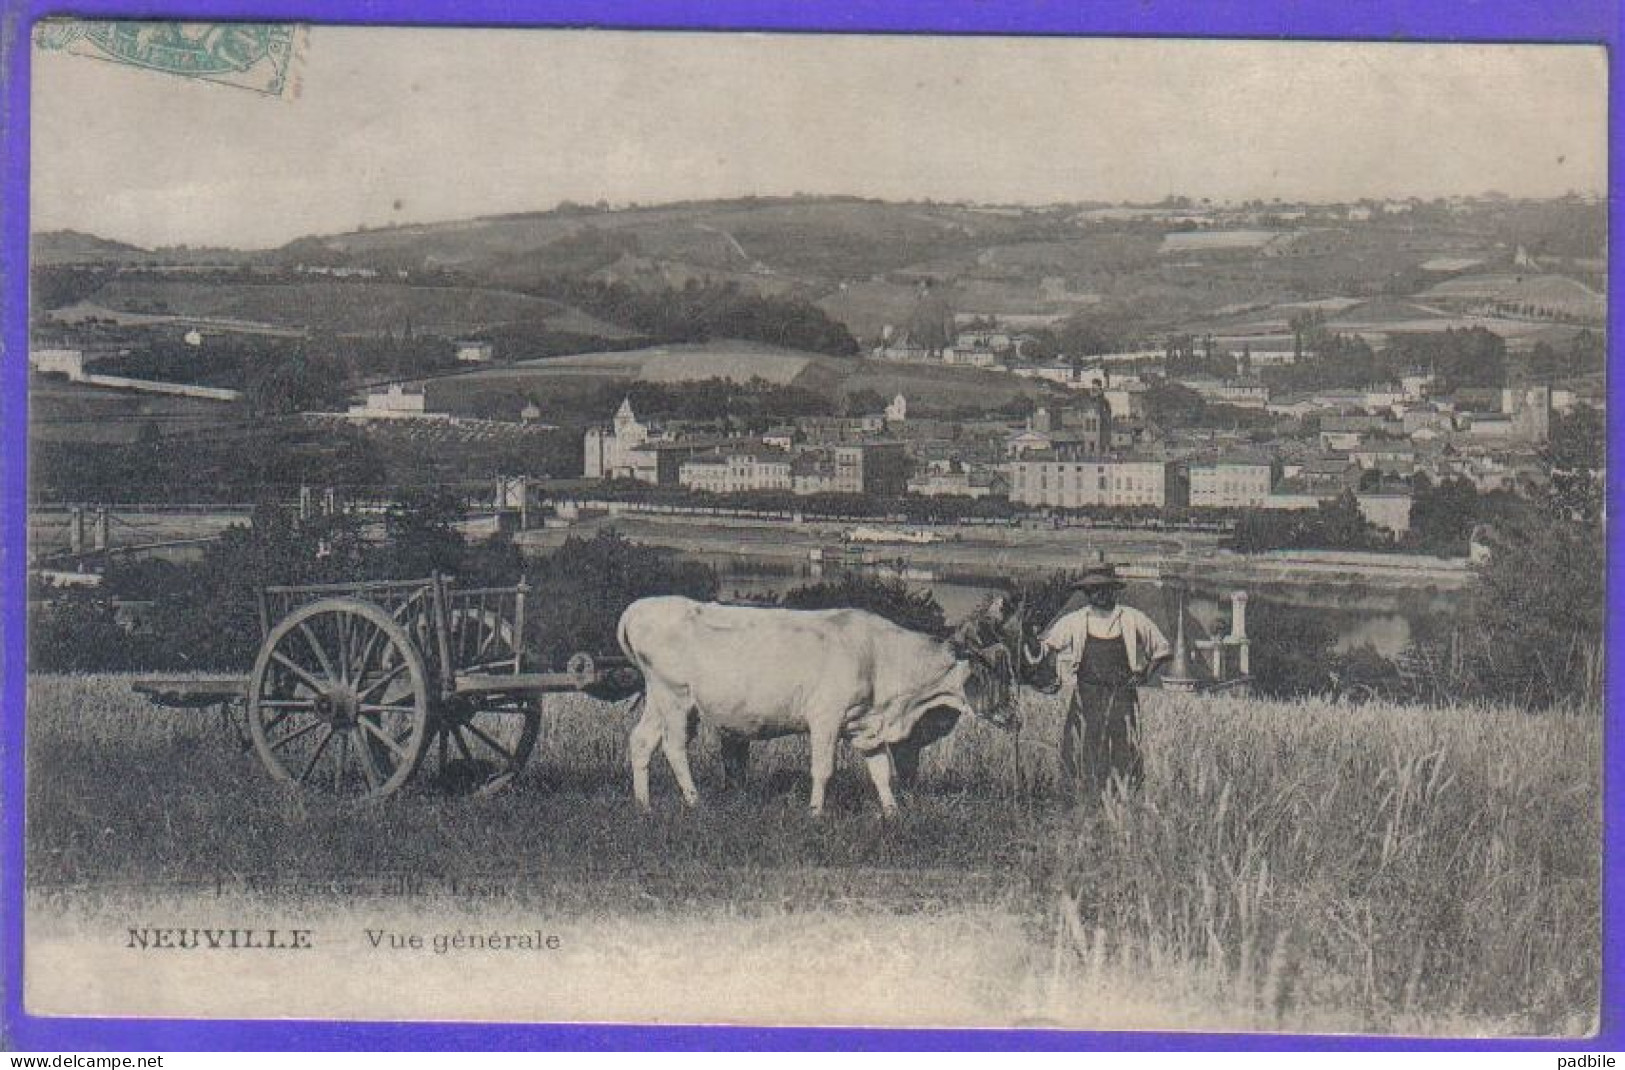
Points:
(622, 526)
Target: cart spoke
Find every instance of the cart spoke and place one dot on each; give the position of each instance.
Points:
(280, 717)
(295, 734)
(389, 741)
(300, 671)
(507, 755)
(288, 704)
(321, 748)
(341, 750)
(382, 681)
(387, 708)
(365, 657)
(317, 648)
(342, 626)
(462, 744)
(363, 752)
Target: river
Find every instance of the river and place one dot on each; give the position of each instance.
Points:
(1385, 622)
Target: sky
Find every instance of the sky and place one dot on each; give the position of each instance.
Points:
(396, 125)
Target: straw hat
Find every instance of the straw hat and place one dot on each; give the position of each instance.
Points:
(1098, 576)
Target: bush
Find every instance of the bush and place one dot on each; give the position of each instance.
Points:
(1537, 611)
(1332, 525)
(893, 599)
(78, 631)
(580, 590)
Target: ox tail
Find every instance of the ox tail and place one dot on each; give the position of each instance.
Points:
(625, 640)
(634, 706)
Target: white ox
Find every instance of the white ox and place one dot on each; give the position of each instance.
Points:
(757, 673)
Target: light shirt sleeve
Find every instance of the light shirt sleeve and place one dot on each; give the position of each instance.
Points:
(1149, 643)
(1065, 639)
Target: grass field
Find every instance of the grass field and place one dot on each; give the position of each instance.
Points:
(560, 382)
(347, 307)
(1287, 866)
(60, 411)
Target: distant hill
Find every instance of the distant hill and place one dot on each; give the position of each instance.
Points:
(814, 240)
(75, 247)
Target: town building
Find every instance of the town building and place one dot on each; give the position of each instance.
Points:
(475, 352)
(1428, 418)
(1296, 406)
(1060, 371)
(661, 461)
(1530, 407)
(612, 452)
(961, 481)
(1290, 494)
(1388, 510)
(1327, 476)
(1395, 456)
(1487, 425)
(927, 335)
(875, 468)
(782, 437)
(1241, 393)
(1417, 384)
(394, 402)
(1270, 358)
(1051, 478)
(971, 356)
(68, 362)
(1237, 482)
(736, 470)
(1343, 433)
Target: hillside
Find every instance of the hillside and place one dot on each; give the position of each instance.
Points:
(861, 263)
(347, 306)
(557, 382)
(813, 239)
(75, 247)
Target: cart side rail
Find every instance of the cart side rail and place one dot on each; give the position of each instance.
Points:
(486, 630)
(350, 587)
(406, 599)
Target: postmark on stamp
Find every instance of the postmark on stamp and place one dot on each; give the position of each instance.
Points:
(258, 56)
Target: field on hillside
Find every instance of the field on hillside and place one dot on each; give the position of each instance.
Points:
(349, 307)
(60, 411)
(558, 382)
(832, 237)
(1296, 866)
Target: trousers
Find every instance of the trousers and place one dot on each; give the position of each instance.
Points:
(1100, 743)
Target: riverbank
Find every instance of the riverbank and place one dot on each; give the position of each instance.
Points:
(1192, 557)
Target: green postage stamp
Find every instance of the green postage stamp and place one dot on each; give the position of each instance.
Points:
(260, 56)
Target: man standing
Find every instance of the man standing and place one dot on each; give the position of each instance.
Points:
(1104, 652)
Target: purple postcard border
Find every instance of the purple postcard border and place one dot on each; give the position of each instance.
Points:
(1589, 21)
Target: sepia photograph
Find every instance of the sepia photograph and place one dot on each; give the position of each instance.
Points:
(831, 530)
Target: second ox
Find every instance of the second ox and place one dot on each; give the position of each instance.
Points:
(757, 673)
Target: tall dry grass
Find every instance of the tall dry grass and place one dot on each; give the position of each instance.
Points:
(1406, 866)
(1287, 865)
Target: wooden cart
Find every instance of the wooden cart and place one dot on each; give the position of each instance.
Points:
(359, 687)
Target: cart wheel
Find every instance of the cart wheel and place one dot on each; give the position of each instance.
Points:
(477, 748)
(339, 700)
